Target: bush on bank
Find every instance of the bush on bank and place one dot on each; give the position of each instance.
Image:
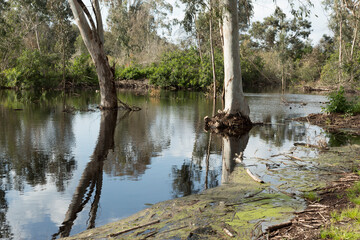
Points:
(35, 70)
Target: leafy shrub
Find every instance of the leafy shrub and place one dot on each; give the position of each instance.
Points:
(206, 74)
(339, 104)
(130, 73)
(250, 70)
(10, 77)
(33, 70)
(180, 69)
(82, 71)
(330, 71)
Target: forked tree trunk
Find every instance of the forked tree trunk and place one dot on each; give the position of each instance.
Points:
(93, 37)
(235, 101)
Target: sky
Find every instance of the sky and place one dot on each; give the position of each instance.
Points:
(262, 8)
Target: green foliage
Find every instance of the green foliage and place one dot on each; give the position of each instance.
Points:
(82, 71)
(206, 73)
(250, 70)
(339, 104)
(131, 73)
(339, 233)
(32, 70)
(350, 230)
(180, 69)
(329, 72)
(354, 193)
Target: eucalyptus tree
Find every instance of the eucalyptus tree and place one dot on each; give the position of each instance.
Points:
(20, 23)
(60, 14)
(211, 10)
(92, 32)
(285, 36)
(235, 102)
(344, 23)
(135, 27)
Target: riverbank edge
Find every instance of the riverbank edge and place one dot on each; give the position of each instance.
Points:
(216, 213)
(317, 221)
(334, 122)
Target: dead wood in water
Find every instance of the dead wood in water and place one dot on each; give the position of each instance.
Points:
(256, 179)
(311, 145)
(278, 226)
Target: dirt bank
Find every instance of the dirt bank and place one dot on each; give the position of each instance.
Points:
(335, 122)
(309, 223)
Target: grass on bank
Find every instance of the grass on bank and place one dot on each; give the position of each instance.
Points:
(345, 224)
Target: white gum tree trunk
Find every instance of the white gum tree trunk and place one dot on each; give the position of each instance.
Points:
(235, 101)
(92, 33)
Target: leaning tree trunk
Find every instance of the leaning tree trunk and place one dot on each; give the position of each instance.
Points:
(93, 37)
(235, 101)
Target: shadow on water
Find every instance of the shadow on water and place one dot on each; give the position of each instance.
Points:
(92, 178)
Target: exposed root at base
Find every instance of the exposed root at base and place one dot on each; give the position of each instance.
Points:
(228, 124)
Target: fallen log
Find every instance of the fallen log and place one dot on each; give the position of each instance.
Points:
(134, 228)
(278, 226)
(311, 146)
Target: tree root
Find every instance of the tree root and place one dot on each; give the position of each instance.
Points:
(228, 124)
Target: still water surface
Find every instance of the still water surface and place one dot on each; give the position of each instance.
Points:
(64, 172)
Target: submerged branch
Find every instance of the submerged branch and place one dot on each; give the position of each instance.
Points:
(128, 107)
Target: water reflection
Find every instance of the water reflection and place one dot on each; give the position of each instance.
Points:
(233, 150)
(159, 153)
(92, 178)
(5, 229)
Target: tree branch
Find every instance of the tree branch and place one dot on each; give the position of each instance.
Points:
(86, 11)
(99, 24)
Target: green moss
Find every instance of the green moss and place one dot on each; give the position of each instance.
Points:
(311, 196)
(272, 207)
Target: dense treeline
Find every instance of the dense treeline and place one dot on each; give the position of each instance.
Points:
(41, 48)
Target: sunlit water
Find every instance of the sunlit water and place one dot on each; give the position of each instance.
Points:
(158, 154)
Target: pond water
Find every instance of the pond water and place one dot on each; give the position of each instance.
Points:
(64, 172)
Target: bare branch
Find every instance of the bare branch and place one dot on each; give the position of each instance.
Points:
(97, 11)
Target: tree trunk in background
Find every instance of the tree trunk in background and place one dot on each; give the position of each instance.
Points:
(199, 43)
(340, 41)
(235, 101)
(212, 52)
(93, 37)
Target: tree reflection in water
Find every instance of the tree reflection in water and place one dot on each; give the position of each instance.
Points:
(233, 148)
(92, 177)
